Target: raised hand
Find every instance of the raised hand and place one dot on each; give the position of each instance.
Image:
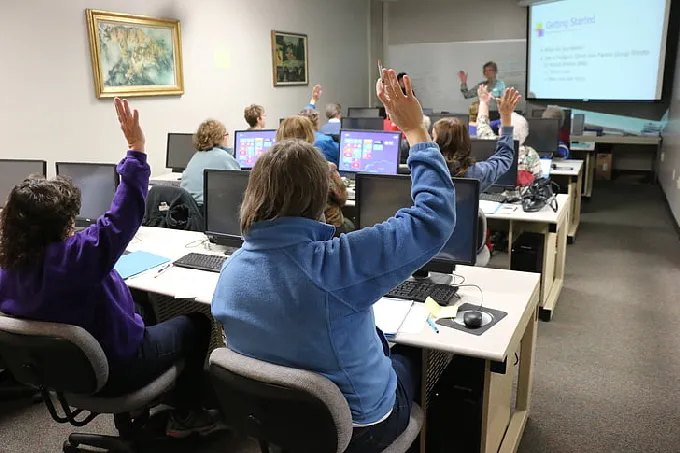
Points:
(462, 75)
(483, 93)
(316, 93)
(129, 123)
(405, 110)
(507, 104)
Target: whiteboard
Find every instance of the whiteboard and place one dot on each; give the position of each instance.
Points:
(434, 69)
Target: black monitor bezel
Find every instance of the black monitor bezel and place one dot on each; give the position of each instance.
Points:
(116, 179)
(531, 121)
(25, 161)
(236, 134)
(514, 165)
(167, 152)
(396, 170)
(228, 240)
(349, 112)
(434, 265)
(350, 118)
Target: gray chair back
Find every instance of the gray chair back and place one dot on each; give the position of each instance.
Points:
(53, 356)
(297, 410)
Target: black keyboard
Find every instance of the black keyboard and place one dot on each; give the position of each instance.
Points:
(419, 291)
(202, 262)
(497, 197)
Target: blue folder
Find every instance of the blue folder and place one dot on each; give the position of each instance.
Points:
(137, 262)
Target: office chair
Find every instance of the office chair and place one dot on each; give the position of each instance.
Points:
(483, 252)
(68, 362)
(10, 389)
(296, 410)
(172, 207)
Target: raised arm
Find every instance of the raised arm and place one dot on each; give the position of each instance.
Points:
(316, 95)
(362, 266)
(488, 171)
(467, 93)
(97, 248)
(484, 130)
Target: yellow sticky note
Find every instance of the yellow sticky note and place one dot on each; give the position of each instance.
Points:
(439, 312)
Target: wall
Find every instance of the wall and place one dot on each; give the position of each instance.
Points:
(49, 109)
(669, 173)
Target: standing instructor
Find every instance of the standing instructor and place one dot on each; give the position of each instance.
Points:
(495, 87)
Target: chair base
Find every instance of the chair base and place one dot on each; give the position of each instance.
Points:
(109, 444)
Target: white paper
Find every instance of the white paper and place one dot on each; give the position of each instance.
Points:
(489, 207)
(415, 320)
(390, 314)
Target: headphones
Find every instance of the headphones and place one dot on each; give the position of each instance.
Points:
(538, 194)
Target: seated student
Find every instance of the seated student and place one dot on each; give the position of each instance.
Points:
(212, 153)
(528, 161)
(556, 112)
(255, 117)
(328, 147)
(473, 113)
(454, 143)
(334, 116)
(300, 127)
(295, 296)
(50, 273)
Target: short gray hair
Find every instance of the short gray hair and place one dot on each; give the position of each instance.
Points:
(333, 110)
(554, 112)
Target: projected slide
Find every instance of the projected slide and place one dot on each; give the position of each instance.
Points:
(597, 49)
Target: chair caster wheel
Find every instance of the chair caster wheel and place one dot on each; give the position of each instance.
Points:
(70, 448)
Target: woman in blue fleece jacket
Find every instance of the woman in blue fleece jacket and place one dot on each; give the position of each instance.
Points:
(295, 296)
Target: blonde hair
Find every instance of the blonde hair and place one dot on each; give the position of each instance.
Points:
(210, 134)
(252, 113)
(298, 127)
(313, 116)
(474, 111)
(289, 180)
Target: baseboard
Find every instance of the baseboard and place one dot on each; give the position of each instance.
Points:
(670, 212)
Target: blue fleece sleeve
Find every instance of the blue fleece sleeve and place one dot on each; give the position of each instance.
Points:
(330, 149)
(488, 171)
(92, 253)
(360, 267)
(309, 106)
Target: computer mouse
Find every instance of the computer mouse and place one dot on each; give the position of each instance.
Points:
(554, 166)
(472, 319)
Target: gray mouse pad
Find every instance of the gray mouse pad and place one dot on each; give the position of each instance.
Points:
(457, 322)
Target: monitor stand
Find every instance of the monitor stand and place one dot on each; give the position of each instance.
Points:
(432, 277)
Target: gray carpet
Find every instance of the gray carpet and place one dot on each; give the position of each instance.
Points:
(607, 366)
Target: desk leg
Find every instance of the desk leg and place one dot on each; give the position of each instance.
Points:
(588, 172)
(551, 295)
(575, 207)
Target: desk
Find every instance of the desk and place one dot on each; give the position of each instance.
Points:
(166, 177)
(517, 293)
(571, 171)
(589, 155)
(554, 228)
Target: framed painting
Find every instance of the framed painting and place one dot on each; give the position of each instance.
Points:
(135, 55)
(290, 58)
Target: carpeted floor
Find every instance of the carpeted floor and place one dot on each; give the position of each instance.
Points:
(607, 368)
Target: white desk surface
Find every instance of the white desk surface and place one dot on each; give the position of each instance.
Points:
(545, 215)
(513, 292)
(167, 177)
(567, 167)
(625, 139)
(509, 291)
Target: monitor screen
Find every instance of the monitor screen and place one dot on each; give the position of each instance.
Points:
(544, 135)
(249, 145)
(481, 150)
(97, 184)
(180, 150)
(578, 123)
(222, 196)
(369, 151)
(379, 197)
(367, 124)
(546, 166)
(363, 112)
(12, 172)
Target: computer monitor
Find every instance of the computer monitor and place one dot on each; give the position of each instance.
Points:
(97, 184)
(366, 124)
(249, 145)
(379, 197)
(369, 151)
(13, 171)
(544, 135)
(578, 123)
(546, 166)
(464, 118)
(222, 196)
(481, 150)
(180, 150)
(363, 112)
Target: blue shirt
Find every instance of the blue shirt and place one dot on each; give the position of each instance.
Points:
(215, 159)
(488, 171)
(328, 146)
(295, 296)
(332, 127)
(76, 283)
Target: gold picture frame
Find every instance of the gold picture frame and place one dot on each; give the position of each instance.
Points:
(135, 55)
(290, 58)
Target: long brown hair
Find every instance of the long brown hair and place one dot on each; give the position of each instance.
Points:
(289, 180)
(453, 138)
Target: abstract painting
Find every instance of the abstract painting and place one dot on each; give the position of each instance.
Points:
(135, 55)
(290, 60)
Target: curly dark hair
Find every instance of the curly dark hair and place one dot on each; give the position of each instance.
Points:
(38, 212)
